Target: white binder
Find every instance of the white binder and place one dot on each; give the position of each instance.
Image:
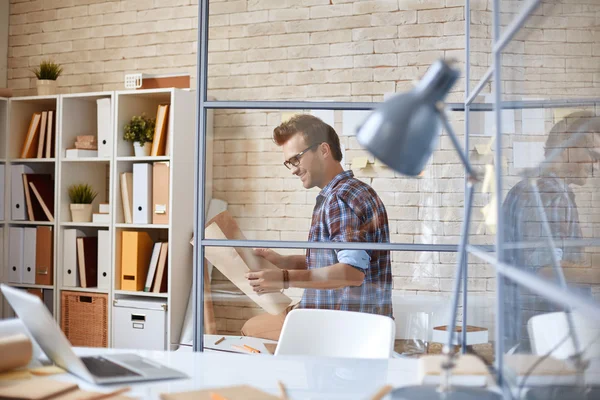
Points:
(15, 255)
(18, 206)
(104, 126)
(70, 271)
(29, 247)
(2, 188)
(103, 259)
(142, 193)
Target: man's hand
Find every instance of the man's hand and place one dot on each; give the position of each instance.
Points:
(270, 280)
(270, 255)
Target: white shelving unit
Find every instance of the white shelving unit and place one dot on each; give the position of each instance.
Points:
(178, 232)
(18, 117)
(5, 196)
(76, 114)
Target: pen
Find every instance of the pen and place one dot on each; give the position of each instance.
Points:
(251, 349)
(382, 392)
(220, 340)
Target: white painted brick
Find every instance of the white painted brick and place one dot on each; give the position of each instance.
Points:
(357, 21)
(579, 36)
(420, 4)
(340, 36)
(106, 31)
(311, 51)
(266, 80)
(217, 45)
(330, 11)
(174, 25)
(397, 45)
(248, 17)
(228, 7)
(398, 18)
(443, 43)
(330, 89)
(262, 55)
(419, 58)
(384, 32)
(303, 78)
(267, 28)
(25, 7)
(285, 198)
(306, 25)
(416, 283)
(72, 12)
(218, 20)
(555, 35)
(289, 224)
(359, 88)
(22, 51)
(343, 49)
(442, 15)
(294, 39)
(24, 29)
(265, 4)
(370, 7)
(421, 30)
(246, 43)
(289, 65)
(375, 60)
(86, 44)
(288, 14)
(136, 5)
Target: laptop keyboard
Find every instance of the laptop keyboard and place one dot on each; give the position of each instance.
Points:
(103, 368)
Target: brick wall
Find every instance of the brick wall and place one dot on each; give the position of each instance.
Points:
(346, 50)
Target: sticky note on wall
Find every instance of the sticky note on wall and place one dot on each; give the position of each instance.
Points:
(359, 163)
(327, 116)
(286, 116)
(527, 154)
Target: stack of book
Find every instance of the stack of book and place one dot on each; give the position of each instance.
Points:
(85, 146)
(39, 138)
(103, 214)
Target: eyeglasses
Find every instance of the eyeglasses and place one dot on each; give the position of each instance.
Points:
(295, 160)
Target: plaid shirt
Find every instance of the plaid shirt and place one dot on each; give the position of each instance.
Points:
(523, 224)
(348, 210)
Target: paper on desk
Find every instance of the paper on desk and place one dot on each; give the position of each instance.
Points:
(240, 392)
(235, 262)
(43, 389)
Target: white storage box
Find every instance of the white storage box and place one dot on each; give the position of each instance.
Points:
(140, 324)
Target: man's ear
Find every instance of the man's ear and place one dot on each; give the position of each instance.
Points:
(325, 150)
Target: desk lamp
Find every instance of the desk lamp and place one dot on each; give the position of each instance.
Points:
(403, 133)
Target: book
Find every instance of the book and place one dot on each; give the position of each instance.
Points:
(101, 218)
(160, 131)
(44, 193)
(49, 137)
(35, 211)
(127, 196)
(31, 138)
(40, 149)
(160, 280)
(152, 266)
(79, 153)
(87, 259)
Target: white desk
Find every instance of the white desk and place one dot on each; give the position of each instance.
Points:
(304, 377)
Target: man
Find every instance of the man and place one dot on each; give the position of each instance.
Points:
(576, 139)
(346, 210)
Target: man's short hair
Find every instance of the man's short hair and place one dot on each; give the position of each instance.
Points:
(314, 131)
(584, 124)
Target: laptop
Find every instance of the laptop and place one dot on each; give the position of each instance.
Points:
(101, 369)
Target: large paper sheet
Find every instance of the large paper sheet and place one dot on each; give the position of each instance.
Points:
(235, 262)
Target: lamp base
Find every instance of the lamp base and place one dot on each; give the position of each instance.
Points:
(431, 392)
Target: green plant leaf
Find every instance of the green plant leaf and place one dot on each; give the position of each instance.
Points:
(82, 193)
(47, 70)
(140, 129)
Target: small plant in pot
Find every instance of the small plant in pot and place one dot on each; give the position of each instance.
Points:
(140, 131)
(82, 195)
(47, 73)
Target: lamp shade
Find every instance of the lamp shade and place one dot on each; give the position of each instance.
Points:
(404, 130)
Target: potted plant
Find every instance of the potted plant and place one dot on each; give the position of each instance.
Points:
(47, 73)
(140, 131)
(81, 195)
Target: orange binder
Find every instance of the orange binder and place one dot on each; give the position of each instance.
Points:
(44, 266)
(160, 131)
(160, 193)
(136, 250)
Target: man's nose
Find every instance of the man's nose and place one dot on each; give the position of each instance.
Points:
(295, 170)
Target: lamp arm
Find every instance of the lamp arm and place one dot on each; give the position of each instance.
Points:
(461, 153)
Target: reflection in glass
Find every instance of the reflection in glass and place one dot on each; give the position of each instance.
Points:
(543, 208)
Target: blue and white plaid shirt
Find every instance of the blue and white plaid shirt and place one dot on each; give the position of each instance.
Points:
(348, 210)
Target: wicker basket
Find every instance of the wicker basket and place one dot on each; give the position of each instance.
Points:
(84, 318)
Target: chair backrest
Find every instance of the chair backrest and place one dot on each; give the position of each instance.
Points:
(546, 331)
(330, 333)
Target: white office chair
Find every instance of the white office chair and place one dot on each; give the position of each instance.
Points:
(330, 333)
(547, 330)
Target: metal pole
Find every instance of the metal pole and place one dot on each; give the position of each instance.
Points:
(460, 265)
(200, 175)
(465, 287)
(499, 329)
